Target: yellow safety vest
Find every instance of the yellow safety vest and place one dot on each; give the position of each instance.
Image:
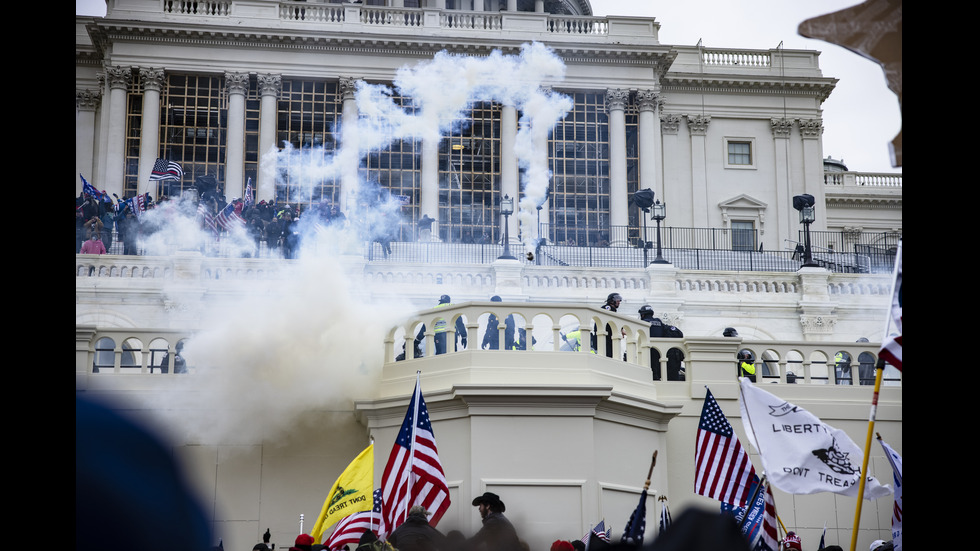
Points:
(441, 323)
(748, 368)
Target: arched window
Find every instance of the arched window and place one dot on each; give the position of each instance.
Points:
(105, 353)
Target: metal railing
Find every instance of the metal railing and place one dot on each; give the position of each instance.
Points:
(685, 248)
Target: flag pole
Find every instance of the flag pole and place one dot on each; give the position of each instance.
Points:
(653, 463)
(879, 373)
(751, 501)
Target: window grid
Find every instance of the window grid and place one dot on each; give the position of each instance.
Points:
(308, 112)
(193, 129)
(469, 178)
(579, 157)
(739, 153)
(131, 147)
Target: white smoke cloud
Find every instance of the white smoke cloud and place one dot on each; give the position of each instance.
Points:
(309, 340)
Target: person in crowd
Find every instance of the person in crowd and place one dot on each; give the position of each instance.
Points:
(265, 545)
(866, 366)
(497, 532)
(613, 300)
(93, 245)
(440, 329)
(491, 339)
(425, 227)
(129, 231)
(304, 542)
(746, 367)
(791, 542)
(108, 225)
(416, 534)
(842, 368)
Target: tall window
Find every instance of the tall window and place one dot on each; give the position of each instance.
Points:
(580, 164)
(743, 235)
(131, 147)
(308, 113)
(396, 169)
(469, 178)
(193, 128)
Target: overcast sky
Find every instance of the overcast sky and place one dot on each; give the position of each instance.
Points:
(860, 118)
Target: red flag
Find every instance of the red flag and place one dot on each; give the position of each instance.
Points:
(413, 475)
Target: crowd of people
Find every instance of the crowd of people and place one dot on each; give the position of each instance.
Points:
(694, 530)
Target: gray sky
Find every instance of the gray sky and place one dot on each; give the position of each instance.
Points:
(862, 115)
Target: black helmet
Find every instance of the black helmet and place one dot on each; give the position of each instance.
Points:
(645, 311)
(444, 299)
(614, 297)
(496, 298)
(730, 332)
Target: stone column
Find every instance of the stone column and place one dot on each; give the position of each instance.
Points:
(269, 87)
(509, 170)
(618, 218)
(152, 81)
(788, 221)
(349, 152)
(511, 5)
(118, 79)
(698, 126)
(675, 182)
(649, 133)
(430, 184)
(86, 104)
(810, 132)
(237, 86)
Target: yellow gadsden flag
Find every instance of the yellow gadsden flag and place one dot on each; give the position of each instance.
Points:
(351, 493)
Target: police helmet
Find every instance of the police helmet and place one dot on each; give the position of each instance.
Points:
(444, 299)
(645, 311)
(614, 297)
(496, 298)
(730, 332)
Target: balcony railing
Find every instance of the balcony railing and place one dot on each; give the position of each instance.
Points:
(620, 339)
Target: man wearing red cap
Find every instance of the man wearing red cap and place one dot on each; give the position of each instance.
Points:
(792, 541)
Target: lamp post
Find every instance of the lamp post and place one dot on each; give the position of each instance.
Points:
(804, 203)
(506, 208)
(659, 213)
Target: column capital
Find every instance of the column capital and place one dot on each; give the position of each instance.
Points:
(348, 86)
(236, 83)
(616, 99)
(151, 78)
(118, 77)
(269, 84)
(648, 100)
(781, 128)
(88, 100)
(670, 123)
(810, 128)
(698, 124)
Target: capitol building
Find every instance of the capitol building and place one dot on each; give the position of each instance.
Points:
(561, 157)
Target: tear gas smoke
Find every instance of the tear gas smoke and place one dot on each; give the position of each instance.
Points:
(309, 340)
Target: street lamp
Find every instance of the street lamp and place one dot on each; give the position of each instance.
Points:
(659, 213)
(804, 203)
(506, 208)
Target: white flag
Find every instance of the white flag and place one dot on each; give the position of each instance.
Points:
(800, 453)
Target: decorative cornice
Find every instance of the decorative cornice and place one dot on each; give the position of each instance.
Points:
(648, 100)
(670, 123)
(88, 100)
(269, 84)
(152, 79)
(698, 124)
(616, 99)
(821, 88)
(810, 128)
(781, 128)
(236, 83)
(118, 77)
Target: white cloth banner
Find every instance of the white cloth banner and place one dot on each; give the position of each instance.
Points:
(800, 453)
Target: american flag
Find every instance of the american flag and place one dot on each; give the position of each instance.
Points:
(166, 170)
(891, 349)
(722, 468)
(413, 475)
(207, 219)
(249, 200)
(599, 532)
(350, 529)
(767, 540)
(637, 524)
(228, 218)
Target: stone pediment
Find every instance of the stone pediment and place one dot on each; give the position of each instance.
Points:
(743, 202)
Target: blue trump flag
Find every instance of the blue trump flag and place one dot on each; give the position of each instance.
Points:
(637, 524)
(753, 515)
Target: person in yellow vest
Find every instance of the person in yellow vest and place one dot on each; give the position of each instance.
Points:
(746, 368)
(441, 325)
